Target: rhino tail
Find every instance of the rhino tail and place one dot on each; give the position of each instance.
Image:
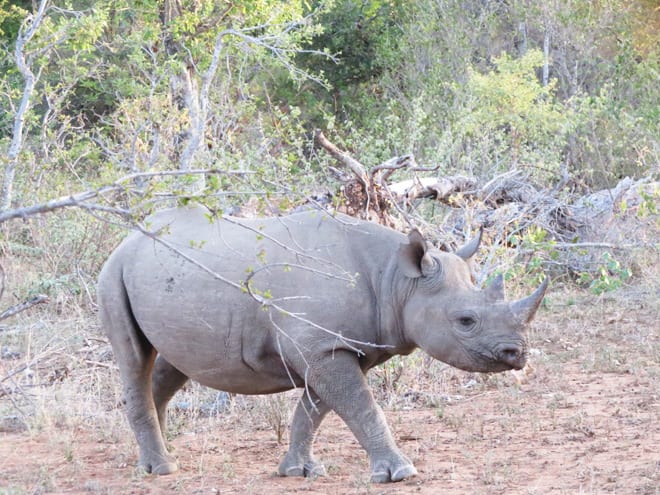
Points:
(128, 341)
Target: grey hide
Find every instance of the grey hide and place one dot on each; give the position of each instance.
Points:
(308, 300)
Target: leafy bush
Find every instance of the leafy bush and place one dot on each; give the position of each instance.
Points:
(509, 120)
(610, 275)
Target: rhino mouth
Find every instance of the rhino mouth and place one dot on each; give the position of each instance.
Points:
(504, 358)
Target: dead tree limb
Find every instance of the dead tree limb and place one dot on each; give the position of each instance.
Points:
(27, 304)
(345, 159)
(439, 189)
(365, 196)
(381, 173)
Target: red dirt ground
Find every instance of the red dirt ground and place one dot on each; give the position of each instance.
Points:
(581, 423)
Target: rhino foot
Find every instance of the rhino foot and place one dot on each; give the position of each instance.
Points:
(386, 471)
(309, 469)
(159, 466)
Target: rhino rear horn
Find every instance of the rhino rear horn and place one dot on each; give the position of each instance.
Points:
(467, 251)
(413, 259)
(495, 290)
(525, 309)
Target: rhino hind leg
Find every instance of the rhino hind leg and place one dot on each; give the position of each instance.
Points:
(135, 357)
(299, 460)
(166, 380)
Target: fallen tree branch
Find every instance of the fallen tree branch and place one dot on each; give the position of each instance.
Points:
(590, 245)
(365, 196)
(344, 158)
(510, 205)
(390, 166)
(430, 187)
(27, 304)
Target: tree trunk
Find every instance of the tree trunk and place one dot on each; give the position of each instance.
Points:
(185, 93)
(23, 38)
(546, 57)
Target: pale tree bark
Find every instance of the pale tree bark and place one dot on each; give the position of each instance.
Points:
(197, 102)
(546, 57)
(190, 88)
(185, 92)
(521, 43)
(27, 31)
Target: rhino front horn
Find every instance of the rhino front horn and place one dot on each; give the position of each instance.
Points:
(525, 309)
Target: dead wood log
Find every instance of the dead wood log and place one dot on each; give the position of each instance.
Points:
(574, 232)
(27, 304)
(440, 189)
(363, 195)
(359, 170)
(621, 214)
(367, 194)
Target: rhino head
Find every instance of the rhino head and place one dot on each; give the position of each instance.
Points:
(452, 320)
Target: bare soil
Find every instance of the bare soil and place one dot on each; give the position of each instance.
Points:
(584, 419)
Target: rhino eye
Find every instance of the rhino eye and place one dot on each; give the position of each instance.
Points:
(466, 321)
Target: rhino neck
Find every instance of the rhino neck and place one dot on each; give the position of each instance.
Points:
(394, 291)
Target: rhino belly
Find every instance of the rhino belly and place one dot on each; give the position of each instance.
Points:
(228, 351)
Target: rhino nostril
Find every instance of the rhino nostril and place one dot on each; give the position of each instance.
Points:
(510, 354)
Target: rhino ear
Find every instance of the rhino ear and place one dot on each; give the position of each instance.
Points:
(413, 259)
(467, 251)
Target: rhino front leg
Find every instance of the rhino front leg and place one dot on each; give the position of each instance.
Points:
(341, 384)
(299, 460)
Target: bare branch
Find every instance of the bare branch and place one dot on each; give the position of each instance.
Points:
(273, 43)
(55, 204)
(392, 165)
(197, 99)
(81, 200)
(344, 158)
(17, 308)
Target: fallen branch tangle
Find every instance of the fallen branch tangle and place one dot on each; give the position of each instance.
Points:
(508, 205)
(366, 194)
(377, 194)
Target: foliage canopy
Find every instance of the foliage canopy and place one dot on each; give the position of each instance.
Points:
(467, 86)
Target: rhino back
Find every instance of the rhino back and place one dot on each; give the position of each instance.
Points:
(198, 316)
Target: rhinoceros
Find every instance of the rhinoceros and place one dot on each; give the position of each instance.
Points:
(310, 301)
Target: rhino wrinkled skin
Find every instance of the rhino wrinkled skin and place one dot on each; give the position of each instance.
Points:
(308, 300)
